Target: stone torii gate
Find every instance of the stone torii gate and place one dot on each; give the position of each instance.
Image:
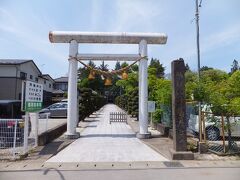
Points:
(74, 38)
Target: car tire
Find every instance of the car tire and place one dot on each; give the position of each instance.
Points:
(212, 133)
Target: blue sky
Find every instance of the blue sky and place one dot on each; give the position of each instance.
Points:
(25, 25)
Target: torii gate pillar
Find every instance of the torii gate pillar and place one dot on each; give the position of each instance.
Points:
(72, 93)
(143, 92)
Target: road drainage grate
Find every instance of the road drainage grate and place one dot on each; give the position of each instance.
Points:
(173, 164)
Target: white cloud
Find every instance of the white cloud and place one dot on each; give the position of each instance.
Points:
(135, 14)
(222, 38)
(95, 13)
(34, 37)
(219, 39)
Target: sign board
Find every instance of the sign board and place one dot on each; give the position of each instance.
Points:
(151, 106)
(32, 96)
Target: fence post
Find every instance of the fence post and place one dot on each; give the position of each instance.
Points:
(223, 134)
(203, 114)
(15, 139)
(25, 142)
(200, 127)
(46, 122)
(36, 129)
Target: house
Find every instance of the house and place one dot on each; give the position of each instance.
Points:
(48, 83)
(60, 88)
(61, 83)
(14, 71)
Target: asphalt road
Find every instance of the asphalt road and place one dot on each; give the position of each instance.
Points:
(149, 174)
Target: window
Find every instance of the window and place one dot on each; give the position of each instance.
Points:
(50, 85)
(44, 81)
(36, 79)
(31, 77)
(23, 75)
(64, 105)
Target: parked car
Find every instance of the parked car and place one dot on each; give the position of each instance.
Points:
(64, 100)
(213, 124)
(54, 110)
(10, 114)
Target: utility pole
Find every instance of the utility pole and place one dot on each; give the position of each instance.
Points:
(198, 62)
(197, 33)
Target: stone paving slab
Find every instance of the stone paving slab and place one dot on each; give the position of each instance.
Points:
(105, 142)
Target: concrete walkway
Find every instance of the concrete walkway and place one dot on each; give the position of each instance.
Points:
(104, 142)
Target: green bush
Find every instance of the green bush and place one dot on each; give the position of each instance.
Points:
(157, 116)
(89, 102)
(133, 102)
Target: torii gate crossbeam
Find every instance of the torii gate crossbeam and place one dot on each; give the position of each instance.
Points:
(74, 38)
(108, 57)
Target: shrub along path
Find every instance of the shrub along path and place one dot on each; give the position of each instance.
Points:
(104, 142)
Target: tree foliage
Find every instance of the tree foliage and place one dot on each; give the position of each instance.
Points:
(155, 63)
(117, 65)
(187, 67)
(235, 66)
(103, 66)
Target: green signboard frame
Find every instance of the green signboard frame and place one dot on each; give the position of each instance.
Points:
(33, 106)
(32, 96)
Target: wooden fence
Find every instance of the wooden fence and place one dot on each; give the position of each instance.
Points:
(118, 117)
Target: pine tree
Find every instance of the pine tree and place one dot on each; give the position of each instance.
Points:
(205, 68)
(91, 63)
(103, 66)
(155, 63)
(117, 65)
(235, 66)
(187, 67)
(124, 64)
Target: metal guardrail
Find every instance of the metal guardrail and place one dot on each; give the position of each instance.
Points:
(221, 134)
(19, 136)
(118, 117)
(12, 137)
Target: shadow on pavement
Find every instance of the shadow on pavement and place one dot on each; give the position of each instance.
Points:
(51, 148)
(45, 172)
(88, 120)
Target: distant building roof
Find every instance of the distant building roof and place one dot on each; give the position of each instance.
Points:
(61, 79)
(13, 61)
(58, 91)
(18, 62)
(47, 77)
(9, 101)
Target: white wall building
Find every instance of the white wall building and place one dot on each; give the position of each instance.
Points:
(14, 71)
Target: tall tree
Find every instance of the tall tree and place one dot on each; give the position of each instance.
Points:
(124, 64)
(205, 68)
(187, 67)
(117, 65)
(103, 66)
(235, 66)
(155, 63)
(92, 64)
(134, 68)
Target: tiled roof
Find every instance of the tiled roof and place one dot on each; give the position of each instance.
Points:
(18, 62)
(47, 76)
(13, 61)
(58, 91)
(61, 79)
